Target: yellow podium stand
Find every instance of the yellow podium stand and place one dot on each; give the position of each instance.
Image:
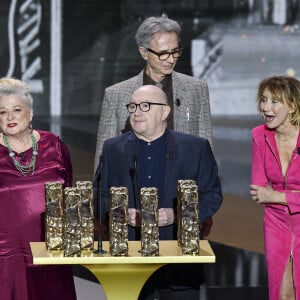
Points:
(123, 276)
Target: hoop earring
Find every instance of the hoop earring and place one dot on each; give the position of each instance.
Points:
(30, 127)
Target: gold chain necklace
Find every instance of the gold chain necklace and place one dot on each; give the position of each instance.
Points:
(23, 169)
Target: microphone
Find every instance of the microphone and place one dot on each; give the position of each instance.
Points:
(298, 150)
(97, 186)
(135, 185)
(177, 102)
(133, 176)
(22, 155)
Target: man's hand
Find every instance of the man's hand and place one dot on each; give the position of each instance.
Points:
(165, 216)
(134, 217)
(206, 227)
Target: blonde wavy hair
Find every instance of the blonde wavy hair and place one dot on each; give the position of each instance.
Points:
(286, 90)
(10, 86)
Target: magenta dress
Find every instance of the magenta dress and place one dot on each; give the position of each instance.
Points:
(22, 207)
(281, 223)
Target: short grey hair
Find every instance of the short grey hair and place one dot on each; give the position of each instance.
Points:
(153, 25)
(10, 86)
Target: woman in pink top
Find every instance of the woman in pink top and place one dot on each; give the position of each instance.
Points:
(276, 182)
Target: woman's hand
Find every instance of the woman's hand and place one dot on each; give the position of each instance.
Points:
(263, 195)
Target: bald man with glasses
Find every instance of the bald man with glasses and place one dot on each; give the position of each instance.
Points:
(159, 157)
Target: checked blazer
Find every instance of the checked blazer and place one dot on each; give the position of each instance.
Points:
(191, 108)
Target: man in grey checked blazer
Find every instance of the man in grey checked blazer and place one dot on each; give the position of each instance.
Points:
(158, 39)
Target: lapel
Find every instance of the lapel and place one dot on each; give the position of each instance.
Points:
(182, 95)
(271, 143)
(139, 80)
(131, 149)
(170, 172)
(177, 86)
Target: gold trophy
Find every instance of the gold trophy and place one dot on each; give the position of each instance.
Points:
(180, 184)
(149, 227)
(85, 189)
(54, 216)
(188, 217)
(72, 221)
(118, 219)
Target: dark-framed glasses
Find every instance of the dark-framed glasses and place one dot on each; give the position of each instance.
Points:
(143, 106)
(164, 55)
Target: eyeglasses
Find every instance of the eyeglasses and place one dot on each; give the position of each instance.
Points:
(164, 55)
(143, 106)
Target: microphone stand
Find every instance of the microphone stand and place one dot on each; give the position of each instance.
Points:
(134, 180)
(98, 184)
(132, 175)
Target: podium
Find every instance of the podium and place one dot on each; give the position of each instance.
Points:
(122, 276)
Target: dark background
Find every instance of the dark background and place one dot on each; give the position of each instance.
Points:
(98, 46)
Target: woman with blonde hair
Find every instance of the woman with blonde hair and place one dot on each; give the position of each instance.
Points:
(28, 159)
(275, 182)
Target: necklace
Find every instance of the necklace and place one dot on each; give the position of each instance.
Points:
(25, 170)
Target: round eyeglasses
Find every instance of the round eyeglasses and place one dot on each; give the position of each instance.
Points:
(143, 106)
(164, 55)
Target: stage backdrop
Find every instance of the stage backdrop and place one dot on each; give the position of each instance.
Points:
(25, 46)
(70, 51)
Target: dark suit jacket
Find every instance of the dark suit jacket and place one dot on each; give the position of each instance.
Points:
(187, 157)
